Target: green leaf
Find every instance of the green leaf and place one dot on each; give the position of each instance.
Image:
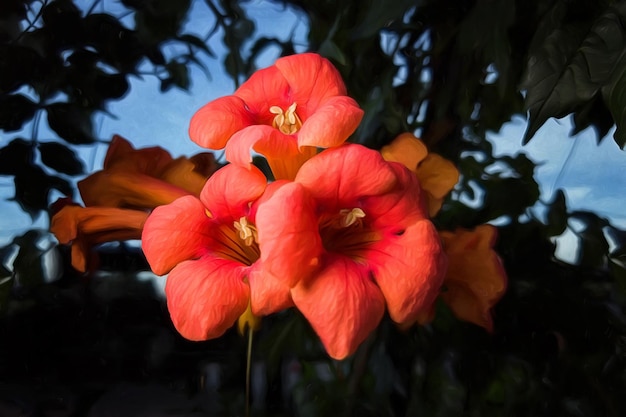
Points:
(71, 122)
(573, 64)
(15, 110)
(556, 79)
(60, 158)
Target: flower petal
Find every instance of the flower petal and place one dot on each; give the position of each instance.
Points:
(206, 296)
(73, 220)
(344, 175)
(176, 232)
(265, 88)
(312, 79)
(289, 238)
(127, 189)
(403, 206)
(409, 270)
(229, 192)
(476, 279)
(182, 173)
(438, 176)
(268, 293)
(405, 149)
(265, 140)
(213, 125)
(121, 155)
(342, 304)
(331, 124)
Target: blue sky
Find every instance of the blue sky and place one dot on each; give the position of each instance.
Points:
(591, 175)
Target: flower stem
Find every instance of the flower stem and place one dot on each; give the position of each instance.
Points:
(248, 368)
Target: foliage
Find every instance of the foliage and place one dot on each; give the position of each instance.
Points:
(452, 70)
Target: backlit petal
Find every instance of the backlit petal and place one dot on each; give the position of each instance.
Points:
(120, 188)
(405, 149)
(122, 156)
(174, 233)
(331, 124)
(342, 304)
(409, 270)
(213, 125)
(184, 173)
(438, 176)
(476, 279)
(206, 296)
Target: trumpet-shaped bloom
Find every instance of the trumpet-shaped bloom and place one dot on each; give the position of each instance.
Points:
(436, 174)
(476, 280)
(144, 178)
(369, 243)
(284, 112)
(209, 247)
(85, 227)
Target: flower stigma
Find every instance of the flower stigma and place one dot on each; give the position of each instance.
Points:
(287, 122)
(350, 217)
(247, 231)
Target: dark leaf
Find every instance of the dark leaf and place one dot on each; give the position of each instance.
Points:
(557, 215)
(15, 110)
(116, 45)
(63, 20)
(197, 42)
(16, 156)
(71, 122)
(60, 158)
(179, 75)
(111, 86)
(28, 266)
(556, 79)
(18, 65)
(377, 15)
(573, 65)
(33, 186)
(593, 248)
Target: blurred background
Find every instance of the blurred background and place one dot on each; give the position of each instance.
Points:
(526, 97)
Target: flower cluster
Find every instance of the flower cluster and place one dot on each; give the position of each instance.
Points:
(343, 233)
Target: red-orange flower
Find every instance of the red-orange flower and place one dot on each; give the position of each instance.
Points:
(208, 245)
(85, 227)
(368, 243)
(144, 178)
(437, 175)
(476, 280)
(284, 112)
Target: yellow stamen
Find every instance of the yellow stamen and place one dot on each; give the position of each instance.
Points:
(350, 217)
(247, 231)
(287, 122)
